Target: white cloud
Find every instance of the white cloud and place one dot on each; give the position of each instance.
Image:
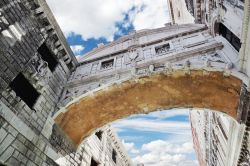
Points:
(131, 138)
(130, 147)
(77, 49)
(182, 128)
(159, 146)
(153, 15)
(98, 18)
(164, 153)
(176, 149)
(167, 113)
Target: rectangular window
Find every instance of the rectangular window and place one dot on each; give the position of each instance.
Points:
(24, 90)
(47, 56)
(162, 49)
(9, 37)
(114, 155)
(93, 162)
(231, 38)
(17, 31)
(99, 135)
(107, 64)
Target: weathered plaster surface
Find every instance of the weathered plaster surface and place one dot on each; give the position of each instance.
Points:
(198, 89)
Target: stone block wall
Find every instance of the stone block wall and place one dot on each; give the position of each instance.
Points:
(35, 63)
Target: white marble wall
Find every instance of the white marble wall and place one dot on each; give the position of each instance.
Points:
(219, 137)
(188, 42)
(100, 150)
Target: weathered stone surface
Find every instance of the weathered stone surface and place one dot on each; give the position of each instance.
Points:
(160, 91)
(21, 123)
(6, 142)
(7, 153)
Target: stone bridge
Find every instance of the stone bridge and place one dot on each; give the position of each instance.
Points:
(49, 101)
(171, 67)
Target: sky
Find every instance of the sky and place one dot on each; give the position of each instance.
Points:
(87, 23)
(161, 138)
(157, 139)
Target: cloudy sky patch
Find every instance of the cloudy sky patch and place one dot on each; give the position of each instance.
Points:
(104, 21)
(161, 138)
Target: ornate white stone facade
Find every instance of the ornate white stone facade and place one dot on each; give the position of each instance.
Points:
(216, 138)
(102, 148)
(179, 13)
(141, 53)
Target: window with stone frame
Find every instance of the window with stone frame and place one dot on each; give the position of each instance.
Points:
(93, 162)
(24, 90)
(162, 49)
(99, 135)
(107, 64)
(229, 36)
(114, 156)
(47, 56)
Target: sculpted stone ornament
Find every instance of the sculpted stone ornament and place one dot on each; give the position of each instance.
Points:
(3, 20)
(39, 73)
(187, 64)
(246, 159)
(207, 63)
(168, 65)
(212, 58)
(229, 66)
(133, 71)
(117, 76)
(133, 54)
(151, 68)
(40, 66)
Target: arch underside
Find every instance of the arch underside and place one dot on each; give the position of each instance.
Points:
(197, 89)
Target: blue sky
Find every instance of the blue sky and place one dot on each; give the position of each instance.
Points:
(160, 135)
(87, 23)
(161, 138)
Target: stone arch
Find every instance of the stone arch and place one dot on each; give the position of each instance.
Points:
(194, 89)
(214, 26)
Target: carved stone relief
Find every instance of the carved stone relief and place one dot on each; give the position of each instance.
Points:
(246, 159)
(38, 72)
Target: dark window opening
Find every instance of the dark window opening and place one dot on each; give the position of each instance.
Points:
(107, 64)
(162, 49)
(190, 6)
(45, 22)
(93, 163)
(99, 134)
(24, 90)
(47, 56)
(231, 38)
(114, 155)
